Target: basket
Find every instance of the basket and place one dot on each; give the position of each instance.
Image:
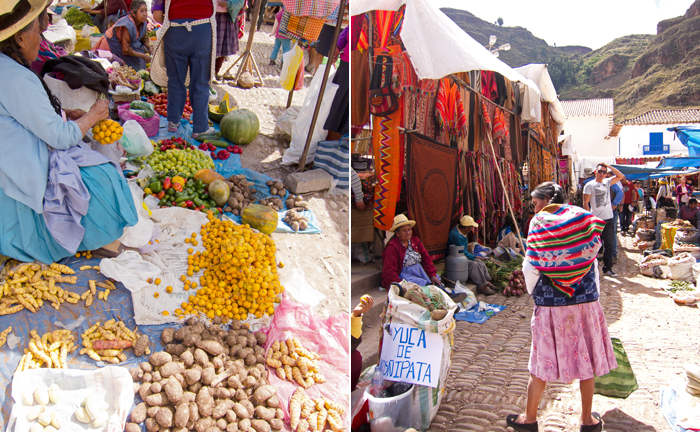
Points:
(646, 223)
(646, 234)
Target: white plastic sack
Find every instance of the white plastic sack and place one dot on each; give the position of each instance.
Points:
(684, 235)
(111, 384)
(302, 124)
(130, 269)
(696, 272)
(426, 400)
(140, 234)
(470, 301)
(291, 60)
(60, 31)
(648, 263)
(682, 267)
(285, 123)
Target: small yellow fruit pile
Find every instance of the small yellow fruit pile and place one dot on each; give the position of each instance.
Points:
(240, 274)
(107, 131)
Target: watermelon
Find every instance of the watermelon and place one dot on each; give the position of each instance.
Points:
(240, 126)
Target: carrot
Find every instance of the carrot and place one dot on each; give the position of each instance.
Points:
(110, 344)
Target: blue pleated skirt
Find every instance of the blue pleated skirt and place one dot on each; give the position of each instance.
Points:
(23, 232)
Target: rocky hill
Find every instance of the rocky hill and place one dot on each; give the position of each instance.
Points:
(641, 72)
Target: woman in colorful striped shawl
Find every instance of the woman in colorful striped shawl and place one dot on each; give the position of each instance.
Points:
(570, 339)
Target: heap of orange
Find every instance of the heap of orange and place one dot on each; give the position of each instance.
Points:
(240, 274)
(107, 131)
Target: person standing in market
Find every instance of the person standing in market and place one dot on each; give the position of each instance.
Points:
(640, 193)
(227, 25)
(570, 338)
(630, 199)
(664, 197)
(281, 41)
(128, 39)
(596, 199)
(338, 121)
(103, 17)
(683, 192)
(57, 195)
(477, 271)
(616, 197)
(189, 27)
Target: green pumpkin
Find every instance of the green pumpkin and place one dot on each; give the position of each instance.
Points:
(240, 126)
(217, 112)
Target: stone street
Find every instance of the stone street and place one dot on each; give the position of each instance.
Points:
(488, 377)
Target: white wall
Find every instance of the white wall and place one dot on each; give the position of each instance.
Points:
(634, 138)
(588, 135)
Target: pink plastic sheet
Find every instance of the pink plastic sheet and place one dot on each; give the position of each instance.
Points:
(150, 125)
(328, 337)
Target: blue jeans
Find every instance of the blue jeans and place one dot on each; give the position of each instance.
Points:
(285, 44)
(616, 218)
(193, 49)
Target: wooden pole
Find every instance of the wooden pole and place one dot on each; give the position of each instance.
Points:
(248, 61)
(331, 54)
(503, 184)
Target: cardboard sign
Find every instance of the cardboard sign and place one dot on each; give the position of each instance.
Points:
(411, 355)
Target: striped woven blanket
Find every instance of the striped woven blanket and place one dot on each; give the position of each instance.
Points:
(563, 243)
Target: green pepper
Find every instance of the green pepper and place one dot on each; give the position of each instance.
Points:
(190, 183)
(197, 202)
(182, 198)
(163, 202)
(156, 187)
(182, 204)
(211, 203)
(171, 192)
(198, 185)
(189, 190)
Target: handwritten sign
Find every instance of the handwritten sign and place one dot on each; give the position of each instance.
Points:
(411, 355)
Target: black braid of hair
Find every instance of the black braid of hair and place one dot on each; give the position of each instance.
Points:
(10, 48)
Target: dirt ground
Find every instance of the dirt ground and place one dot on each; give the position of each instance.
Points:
(488, 376)
(324, 258)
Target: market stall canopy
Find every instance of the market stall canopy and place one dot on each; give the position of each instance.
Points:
(539, 74)
(438, 47)
(690, 137)
(679, 162)
(637, 172)
(568, 148)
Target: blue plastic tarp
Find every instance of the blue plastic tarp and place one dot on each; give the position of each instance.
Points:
(679, 162)
(636, 172)
(473, 315)
(689, 135)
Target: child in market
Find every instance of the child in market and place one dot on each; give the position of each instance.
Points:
(366, 303)
(281, 41)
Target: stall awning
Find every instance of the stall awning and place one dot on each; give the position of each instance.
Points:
(636, 172)
(679, 162)
(437, 46)
(690, 137)
(539, 74)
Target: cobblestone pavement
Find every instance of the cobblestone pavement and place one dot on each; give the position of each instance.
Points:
(488, 377)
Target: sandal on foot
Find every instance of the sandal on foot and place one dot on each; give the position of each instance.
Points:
(598, 427)
(521, 427)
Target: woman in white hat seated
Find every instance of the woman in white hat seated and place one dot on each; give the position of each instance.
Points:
(405, 258)
(478, 273)
(57, 196)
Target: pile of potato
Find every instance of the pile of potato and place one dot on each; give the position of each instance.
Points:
(296, 202)
(273, 202)
(207, 379)
(242, 194)
(295, 220)
(276, 188)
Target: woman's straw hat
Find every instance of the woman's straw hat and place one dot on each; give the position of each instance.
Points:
(399, 221)
(17, 14)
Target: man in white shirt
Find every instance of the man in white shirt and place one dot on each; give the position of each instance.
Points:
(596, 199)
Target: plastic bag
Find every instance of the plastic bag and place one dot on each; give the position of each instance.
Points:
(150, 126)
(291, 60)
(285, 123)
(135, 141)
(470, 301)
(682, 266)
(130, 269)
(302, 125)
(140, 234)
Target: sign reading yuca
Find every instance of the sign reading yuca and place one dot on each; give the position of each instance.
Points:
(411, 355)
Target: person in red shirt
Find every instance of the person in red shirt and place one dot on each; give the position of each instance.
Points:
(628, 201)
(188, 43)
(104, 17)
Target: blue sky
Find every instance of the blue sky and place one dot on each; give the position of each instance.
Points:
(591, 23)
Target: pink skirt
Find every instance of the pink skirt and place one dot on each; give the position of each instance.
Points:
(570, 343)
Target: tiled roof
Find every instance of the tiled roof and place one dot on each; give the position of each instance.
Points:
(588, 107)
(665, 117)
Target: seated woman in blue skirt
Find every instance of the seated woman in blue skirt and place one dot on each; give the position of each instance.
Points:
(57, 196)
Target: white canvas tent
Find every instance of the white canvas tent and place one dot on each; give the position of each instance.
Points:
(438, 47)
(539, 74)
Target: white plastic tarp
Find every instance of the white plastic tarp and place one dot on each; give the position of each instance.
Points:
(439, 47)
(539, 74)
(568, 148)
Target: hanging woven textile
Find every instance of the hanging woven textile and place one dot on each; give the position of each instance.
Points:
(387, 26)
(449, 110)
(359, 26)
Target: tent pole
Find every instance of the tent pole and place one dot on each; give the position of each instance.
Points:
(247, 56)
(503, 184)
(331, 54)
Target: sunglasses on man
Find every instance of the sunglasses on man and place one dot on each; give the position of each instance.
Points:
(603, 171)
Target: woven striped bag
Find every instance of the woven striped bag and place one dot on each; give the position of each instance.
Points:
(619, 382)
